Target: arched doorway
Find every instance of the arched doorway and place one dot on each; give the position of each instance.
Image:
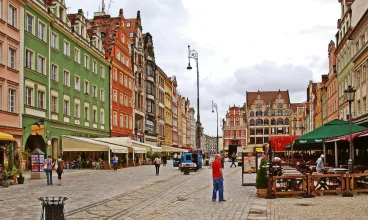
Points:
(33, 142)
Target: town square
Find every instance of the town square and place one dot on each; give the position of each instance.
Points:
(183, 109)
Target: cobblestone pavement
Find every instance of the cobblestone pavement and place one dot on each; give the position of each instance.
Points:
(132, 193)
(328, 207)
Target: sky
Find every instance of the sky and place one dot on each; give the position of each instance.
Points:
(243, 45)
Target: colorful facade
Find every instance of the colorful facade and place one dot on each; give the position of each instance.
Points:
(174, 108)
(65, 77)
(235, 129)
(160, 105)
(332, 85)
(168, 112)
(11, 67)
(116, 44)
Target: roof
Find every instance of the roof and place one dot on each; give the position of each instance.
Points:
(132, 25)
(293, 106)
(72, 18)
(267, 96)
(48, 3)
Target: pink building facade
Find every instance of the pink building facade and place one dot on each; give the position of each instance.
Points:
(332, 85)
(11, 67)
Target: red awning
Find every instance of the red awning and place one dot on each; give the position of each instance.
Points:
(278, 143)
(347, 137)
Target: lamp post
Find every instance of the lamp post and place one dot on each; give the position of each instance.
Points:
(349, 96)
(214, 105)
(193, 54)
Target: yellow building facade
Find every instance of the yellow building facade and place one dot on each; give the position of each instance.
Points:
(168, 112)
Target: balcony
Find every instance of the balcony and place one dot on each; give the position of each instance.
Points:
(151, 79)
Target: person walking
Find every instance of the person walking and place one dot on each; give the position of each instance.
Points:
(115, 162)
(59, 168)
(157, 163)
(218, 179)
(48, 169)
(319, 164)
(164, 160)
(233, 157)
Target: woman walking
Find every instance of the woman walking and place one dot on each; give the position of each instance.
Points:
(47, 166)
(59, 168)
(157, 163)
(115, 162)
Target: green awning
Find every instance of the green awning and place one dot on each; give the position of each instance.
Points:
(331, 129)
(288, 147)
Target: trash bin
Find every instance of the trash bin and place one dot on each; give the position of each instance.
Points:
(52, 209)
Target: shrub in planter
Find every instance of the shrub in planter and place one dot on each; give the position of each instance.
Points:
(262, 179)
(21, 177)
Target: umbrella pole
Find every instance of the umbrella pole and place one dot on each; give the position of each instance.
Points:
(324, 152)
(336, 156)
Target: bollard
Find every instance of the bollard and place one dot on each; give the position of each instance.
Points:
(52, 209)
(309, 194)
(347, 192)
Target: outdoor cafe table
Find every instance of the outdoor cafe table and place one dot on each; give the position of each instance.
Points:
(338, 170)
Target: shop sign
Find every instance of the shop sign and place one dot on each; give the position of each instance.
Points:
(38, 129)
(80, 134)
(37, 162)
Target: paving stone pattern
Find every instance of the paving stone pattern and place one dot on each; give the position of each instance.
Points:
(132, 193)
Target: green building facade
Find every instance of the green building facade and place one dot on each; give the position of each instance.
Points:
(75, 84)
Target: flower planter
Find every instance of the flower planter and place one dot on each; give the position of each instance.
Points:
(261, 193)
(6, 183)
(137, 164)
(125, 165)
(20, 180)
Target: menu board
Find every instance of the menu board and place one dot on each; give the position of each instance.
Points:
(249, 163)
(37, 162)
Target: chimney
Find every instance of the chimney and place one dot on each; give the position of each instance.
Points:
(121, 12)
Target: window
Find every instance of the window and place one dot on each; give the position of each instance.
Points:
(11, 61)
(1, 47)
(102, 71)
(86, 111)
(54, 41)
(364, 105)
(279, 105)
(121, 98)
(130, 84)
(29, 95)
(86, 61)
(41, 99)
(364, 74)
(11, 100)
(94, 91)
(66, 108)
(122, 59)
(126, 81)
(102, 95)
(125, 100)
(128, 24)
(66, 78)
(102, 117)
(41, 65)
(121, 79)
(29, 59)
(66, 48)
(118, 55)
(150, 106)
(149, 70)
(29, 23)
(150, 88)
(54, 72)
(131, 34)
(94, 67)
(115, 75)
(130, 123)
(126, 121)
(41, 31)
(94, 112)
(115, 120)
(86, 87)
(76, 55)
(130, 102)
(12, 11)
(54, 103)
(76, 110)
(115, 95)
(77, 83)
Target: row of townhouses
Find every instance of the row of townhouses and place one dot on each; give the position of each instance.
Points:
(64, 74)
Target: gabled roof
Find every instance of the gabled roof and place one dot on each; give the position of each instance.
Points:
(294, 106)
(267, 96)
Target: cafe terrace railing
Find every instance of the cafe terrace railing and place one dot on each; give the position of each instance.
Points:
(359, 182)
(289, 185)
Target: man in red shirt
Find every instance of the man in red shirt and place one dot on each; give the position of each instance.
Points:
(218, 179)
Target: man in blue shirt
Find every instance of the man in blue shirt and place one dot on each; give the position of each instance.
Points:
(319, 162)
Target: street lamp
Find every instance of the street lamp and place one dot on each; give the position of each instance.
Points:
(349, 96)
(194, 55)
(214, 105)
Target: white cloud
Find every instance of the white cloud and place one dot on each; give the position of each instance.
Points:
(243, 45)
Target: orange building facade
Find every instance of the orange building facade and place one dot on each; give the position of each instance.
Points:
(331, 85)
(116, 44)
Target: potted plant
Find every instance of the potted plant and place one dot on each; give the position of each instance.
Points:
(13, 173)
(262, 179)
(21, 177)
(124, 161)
(5, 181)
